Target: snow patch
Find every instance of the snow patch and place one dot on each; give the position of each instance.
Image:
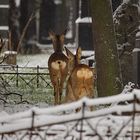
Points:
(138, 34)
(17, 3)
(84, 20)
(136, 49)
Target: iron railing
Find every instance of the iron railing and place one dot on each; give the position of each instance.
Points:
(23, 77)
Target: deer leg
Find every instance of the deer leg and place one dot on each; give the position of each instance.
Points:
(57, 96)
(69, 94)
(60, 91)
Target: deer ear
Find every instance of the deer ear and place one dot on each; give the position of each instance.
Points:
(52, 35)
(79, 53)
(62, 38)
(69, 53)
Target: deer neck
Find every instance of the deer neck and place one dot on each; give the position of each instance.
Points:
(59, 49)
(58, 45)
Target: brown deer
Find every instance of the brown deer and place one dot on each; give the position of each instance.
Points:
(58, 66)
(81, 80)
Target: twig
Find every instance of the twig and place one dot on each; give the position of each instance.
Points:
(24, 31)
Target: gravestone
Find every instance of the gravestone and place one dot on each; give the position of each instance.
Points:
(84, 27)
(10, 57)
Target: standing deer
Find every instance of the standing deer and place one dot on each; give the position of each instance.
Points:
(81, 79)
(58, 66)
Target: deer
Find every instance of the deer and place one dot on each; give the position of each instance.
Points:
(58, 66)
(81, 79)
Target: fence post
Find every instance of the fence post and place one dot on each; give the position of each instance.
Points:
(32, 125)
(37, 76)
(17, 75)
(82, 119)
(133, 116)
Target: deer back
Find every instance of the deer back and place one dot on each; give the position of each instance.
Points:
(80, 82)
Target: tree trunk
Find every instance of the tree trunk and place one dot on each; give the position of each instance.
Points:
(107, 64)
(14, 24)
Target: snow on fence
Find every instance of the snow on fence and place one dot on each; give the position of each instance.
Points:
(16, 76)
(113, 118)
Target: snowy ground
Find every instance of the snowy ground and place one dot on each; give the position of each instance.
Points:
(97, 124)
(14, 108)
(33, 60)
(42, 59)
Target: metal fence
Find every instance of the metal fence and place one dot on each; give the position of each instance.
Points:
(119, 121)
(29, 77)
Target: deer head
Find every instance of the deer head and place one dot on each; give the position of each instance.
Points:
(57, 40)
(73, 59)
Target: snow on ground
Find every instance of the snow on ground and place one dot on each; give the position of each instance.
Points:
(33, 60)
(40, 59)
(14, 108)
(96, 122)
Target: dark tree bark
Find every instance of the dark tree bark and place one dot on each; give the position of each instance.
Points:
(107, 64)
(14, 24)
(27, 8)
